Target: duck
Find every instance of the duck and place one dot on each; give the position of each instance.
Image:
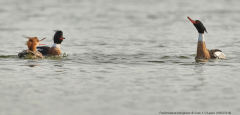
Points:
(31, 52)
(55, 50)
(202, 51)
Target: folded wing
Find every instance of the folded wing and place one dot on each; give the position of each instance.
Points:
(216, 53)
(43, 49)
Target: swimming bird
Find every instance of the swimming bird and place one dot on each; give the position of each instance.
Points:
(202, 51)
(32, 43)
(55, 50)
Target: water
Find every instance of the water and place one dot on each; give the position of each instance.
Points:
(128, 57)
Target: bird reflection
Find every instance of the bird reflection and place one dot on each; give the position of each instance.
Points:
(32, 65)
(201, 60)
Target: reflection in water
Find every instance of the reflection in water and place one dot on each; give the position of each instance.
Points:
(202, 60)
(58, 65)
(207, 60)
(32, 65)
(199, 69)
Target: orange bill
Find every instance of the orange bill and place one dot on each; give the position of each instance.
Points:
(193, 21)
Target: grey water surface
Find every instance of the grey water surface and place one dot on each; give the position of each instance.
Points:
(125, 57)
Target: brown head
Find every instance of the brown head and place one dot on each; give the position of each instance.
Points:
(33, 42)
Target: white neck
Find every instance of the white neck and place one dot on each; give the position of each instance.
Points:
(201, 37)
(56, 45)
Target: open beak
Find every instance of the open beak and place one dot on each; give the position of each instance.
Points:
(42, 40)
(61, 38)
(193, 21)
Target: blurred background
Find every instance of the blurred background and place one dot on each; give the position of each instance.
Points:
(125, 57)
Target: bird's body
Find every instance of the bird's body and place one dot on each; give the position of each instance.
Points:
(55, 50)
(30, 54)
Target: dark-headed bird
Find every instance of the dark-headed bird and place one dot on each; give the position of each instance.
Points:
(55, 49)
(202, 51)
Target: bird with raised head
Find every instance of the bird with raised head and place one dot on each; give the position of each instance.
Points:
(202, 51)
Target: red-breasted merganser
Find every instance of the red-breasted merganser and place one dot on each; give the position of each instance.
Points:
(55, 49)
(32, 43)
(202, 51)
